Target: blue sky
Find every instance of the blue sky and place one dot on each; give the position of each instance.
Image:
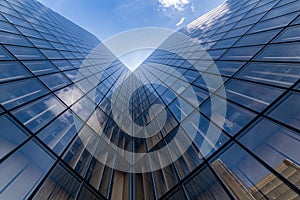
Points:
(105, 18)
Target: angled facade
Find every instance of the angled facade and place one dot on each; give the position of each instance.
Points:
(58, 102)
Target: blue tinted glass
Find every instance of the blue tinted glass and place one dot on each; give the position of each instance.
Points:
(11, 135)
(25, 53)
(257, 38)
(14, 39)
(273, 23)
(63, 64)
(38, 113)
(15, 96)
(288, 35)
(40, 67)
(22, 171)
(235, 119)
(244, 53)
(11, 71)
(272, 73)
(274, 144)
(288, 110)
(59, 133)
(226, 67)
(4, 26)
(280, 52)
(52, 54)
(55, 81)
(248, 172)
(5, 55)
(254, 96)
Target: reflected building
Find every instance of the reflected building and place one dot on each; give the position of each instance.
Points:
(51, 76)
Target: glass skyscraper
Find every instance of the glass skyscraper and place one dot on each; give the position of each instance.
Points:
(58, 102)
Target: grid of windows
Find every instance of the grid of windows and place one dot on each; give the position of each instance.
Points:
(255, 45)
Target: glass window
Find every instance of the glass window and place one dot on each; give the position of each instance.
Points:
(273, 23)
(4, 26)
(288, 110)
(40, 67)
(276, 145)
(257, 38)
(22, 171)
(85, 193)
(69, 95)
(14, 39)
(82, 108)
(29, 32)
(5, 55)
(254, 96)
(63, 64)
(246, 178)
(25, 53)
(164, 180)
(249, 21)
(61, 184)
(226, 67)
(225, 43)
(204, 185)
(206, 141)
(38, 113)
(20, 92)
(288, 35)
(12, 70)
(11, 135)
(241, 53)
(283, 10)
(272, 73)
(178, 194)
(55, 81)
(52, 54)
(40, 43)
(235, 119)
(280, 52)
(237, 32)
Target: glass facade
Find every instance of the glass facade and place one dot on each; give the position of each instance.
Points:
(50, 77)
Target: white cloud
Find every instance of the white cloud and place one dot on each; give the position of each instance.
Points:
(181, 21)
(177, 4)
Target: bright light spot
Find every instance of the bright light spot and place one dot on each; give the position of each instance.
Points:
(134, 59)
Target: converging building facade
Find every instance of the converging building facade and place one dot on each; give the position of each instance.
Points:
(212, 113)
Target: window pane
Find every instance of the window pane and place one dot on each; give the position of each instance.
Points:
(22, 171)
(288, 110)
(273, 23)
(246, 178)
(254, 96)
(61, 184)
(235, 119)
(290, 34)
(25, 53)
(204, 185)
(40, 67)
(11, 135)
(244, 53)
(277, 146)
(272, 73)
(11, 71)
(55, 81)
(37, 114)
(20, 92)
(59, 133)
(5, 55)
(14, 39)
(257, 38)
(280, 52)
